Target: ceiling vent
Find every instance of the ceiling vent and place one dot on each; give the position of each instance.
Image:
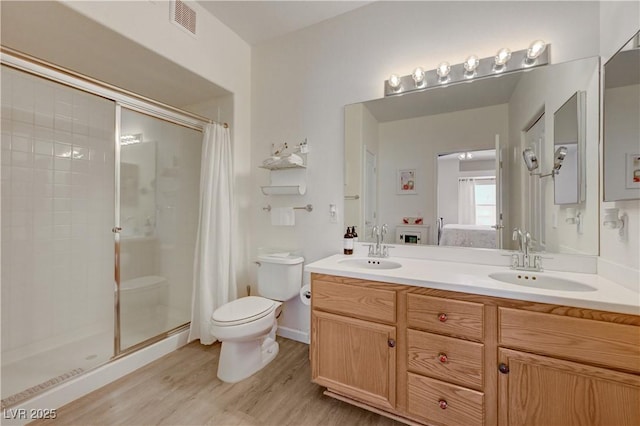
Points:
(183, 16)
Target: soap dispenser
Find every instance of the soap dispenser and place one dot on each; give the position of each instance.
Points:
(348, 242)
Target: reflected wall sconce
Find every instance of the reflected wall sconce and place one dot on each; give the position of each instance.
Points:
(505, 61)
(612, 220)
(531, 161)
(130, 139)
(574, 218)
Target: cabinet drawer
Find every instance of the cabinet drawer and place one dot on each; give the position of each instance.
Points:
(446, 358)
(355, 301)
(442, 403)
(455, 317)
(595, 342)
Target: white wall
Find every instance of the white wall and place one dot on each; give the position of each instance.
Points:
(619, 257)
(302, 81)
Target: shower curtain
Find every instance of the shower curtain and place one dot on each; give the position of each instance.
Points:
(214, 280)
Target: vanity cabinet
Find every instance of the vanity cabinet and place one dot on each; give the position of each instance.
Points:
(353, 351)
(445, 360)
(567, 371)
(436, 357)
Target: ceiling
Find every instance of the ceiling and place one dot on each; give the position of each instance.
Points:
(36, 27)
(259, 21)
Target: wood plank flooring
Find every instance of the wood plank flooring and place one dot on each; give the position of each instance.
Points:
(181, 388)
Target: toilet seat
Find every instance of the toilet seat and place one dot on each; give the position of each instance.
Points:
(243, 310)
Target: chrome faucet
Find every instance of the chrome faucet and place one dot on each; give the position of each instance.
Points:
(524, 260)
(379, 250)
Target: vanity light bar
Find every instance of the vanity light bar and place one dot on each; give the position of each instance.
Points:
(456, 73)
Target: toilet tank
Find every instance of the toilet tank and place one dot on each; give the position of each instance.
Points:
(279, 276)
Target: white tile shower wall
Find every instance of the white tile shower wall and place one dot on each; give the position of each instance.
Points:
(57, 213)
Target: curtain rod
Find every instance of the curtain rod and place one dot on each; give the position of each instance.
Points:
(26, 57)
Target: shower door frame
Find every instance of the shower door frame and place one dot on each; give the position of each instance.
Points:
(122, 98)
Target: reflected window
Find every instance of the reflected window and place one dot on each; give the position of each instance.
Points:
(485, 195)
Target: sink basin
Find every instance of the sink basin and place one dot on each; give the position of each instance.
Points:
(538, 280)
(370, 263)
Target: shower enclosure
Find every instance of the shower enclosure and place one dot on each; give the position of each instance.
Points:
(99, 210)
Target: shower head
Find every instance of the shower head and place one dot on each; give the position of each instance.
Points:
(530, 159)
(558, 158)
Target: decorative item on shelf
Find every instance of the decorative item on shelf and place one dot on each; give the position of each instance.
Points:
(412, 220)
(505, 61)
(288, 174)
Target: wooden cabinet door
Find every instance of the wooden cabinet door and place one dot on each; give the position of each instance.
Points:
(354, 357)
(538, 390)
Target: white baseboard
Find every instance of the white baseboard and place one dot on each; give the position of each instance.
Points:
(92, 380)
(293, 334)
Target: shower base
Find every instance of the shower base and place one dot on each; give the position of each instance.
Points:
(32, 375)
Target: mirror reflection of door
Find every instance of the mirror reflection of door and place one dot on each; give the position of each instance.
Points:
(534, 198)
(466, 199)
(370, 193)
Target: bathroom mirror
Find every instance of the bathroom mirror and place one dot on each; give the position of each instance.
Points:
(384, 137)
(621, 131)
(568, 132)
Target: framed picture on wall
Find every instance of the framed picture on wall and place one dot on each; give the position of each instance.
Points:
(632, 175)
(406, 181)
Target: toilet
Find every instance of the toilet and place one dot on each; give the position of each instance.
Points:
(247, 326)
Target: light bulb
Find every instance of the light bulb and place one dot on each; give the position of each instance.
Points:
(394, 81)
(503, 56)
(535, 49)
(471, 63)
(418, 76)
(443, 70)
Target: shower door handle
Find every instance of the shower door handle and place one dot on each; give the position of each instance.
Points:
(116, 229)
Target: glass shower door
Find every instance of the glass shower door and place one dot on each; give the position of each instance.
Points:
(57, 247)
(158, 193)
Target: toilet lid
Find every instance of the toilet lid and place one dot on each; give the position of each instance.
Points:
(243, 310)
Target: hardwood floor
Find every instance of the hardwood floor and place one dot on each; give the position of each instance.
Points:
(182, 389)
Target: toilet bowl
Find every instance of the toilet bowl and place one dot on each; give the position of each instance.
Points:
(247, 326)
(247, 329)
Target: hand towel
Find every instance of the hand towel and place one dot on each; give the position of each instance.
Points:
(283, 216)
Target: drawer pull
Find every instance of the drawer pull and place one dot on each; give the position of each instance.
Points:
(391, 343)
(503, 368)
(443, 358)
(442, 317)
(443, 404)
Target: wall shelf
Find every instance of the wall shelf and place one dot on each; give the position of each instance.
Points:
(286, 179)
(284, 189)
(284, 166)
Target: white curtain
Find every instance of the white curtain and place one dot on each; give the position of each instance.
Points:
(214, 280)
(466, 202)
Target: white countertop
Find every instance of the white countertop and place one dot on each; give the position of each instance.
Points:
(473, 278)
